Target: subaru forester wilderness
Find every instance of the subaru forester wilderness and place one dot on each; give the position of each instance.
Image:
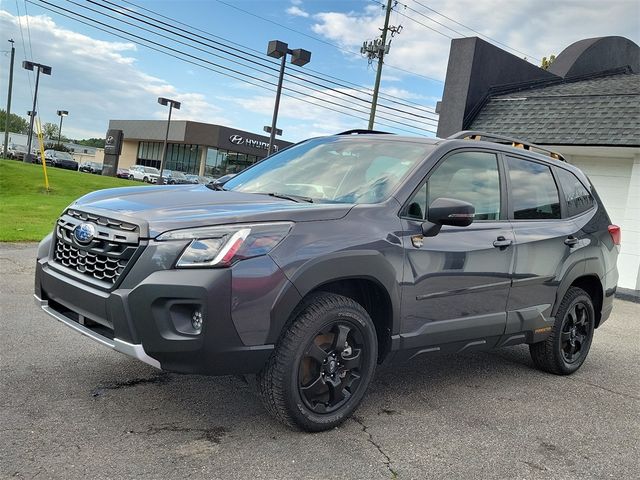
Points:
(316, 264)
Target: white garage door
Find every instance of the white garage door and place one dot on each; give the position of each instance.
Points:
(617, 181)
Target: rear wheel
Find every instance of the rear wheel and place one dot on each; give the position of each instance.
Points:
(322, 365)
(566, 349)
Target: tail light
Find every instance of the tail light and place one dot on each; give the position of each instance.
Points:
(616, 234)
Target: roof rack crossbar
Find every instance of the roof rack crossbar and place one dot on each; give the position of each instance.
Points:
(358, 131)
(496, 138)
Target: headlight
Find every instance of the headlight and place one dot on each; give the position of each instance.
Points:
(223, 245)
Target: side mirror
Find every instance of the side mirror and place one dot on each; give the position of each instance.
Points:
(447, 211)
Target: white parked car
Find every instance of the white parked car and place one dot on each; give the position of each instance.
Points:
(144, 174)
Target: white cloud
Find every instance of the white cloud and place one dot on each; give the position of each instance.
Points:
(537, 28)
(297, 11)
(95, 80)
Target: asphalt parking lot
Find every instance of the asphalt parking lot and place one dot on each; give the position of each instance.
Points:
(70, 408)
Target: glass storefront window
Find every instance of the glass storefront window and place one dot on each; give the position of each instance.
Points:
(186, 158)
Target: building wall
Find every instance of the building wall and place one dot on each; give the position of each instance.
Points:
(615, 173)
(129, 154)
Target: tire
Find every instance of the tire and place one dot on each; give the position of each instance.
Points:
(145, 180)
(567, 347)
(297, 387)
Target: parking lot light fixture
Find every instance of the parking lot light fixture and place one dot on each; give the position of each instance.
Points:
(172, 104)
(61, 114)
(299, 57)
(46, 70)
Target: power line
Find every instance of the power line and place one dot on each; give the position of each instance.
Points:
(260, 61)
(473, 30)
(322, 76)
(24, 47)
(447, 27)
(317, 39)
(213, 66)
(417, 21)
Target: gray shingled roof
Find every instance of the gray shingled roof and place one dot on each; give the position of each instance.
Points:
(597, 111)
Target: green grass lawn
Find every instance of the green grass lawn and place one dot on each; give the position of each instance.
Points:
(27, 211)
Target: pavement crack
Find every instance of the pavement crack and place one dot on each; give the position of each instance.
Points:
(100, 389)
(387, 460)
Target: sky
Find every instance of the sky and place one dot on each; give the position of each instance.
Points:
(98, 76)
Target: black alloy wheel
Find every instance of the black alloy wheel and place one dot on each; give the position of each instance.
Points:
(330, 370)
(567, 346)
(575, 332)
(320, 369)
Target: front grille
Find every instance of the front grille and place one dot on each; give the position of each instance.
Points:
(106, 257)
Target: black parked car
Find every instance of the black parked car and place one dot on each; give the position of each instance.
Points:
(316, 264)
(91, 167)
(60, 159)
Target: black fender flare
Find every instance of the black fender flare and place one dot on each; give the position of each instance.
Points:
(351, 264)
(589, 267)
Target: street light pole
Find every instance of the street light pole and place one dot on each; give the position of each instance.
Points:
(6, 121)
(61, 114)
(274, 119)
(27, 65)
(299, 57)
(172, 104)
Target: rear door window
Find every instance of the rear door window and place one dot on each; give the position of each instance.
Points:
(534, 194)
(578, 198)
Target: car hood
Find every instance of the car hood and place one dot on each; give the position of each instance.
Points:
(161, 208)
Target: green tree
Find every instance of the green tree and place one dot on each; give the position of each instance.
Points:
(91, 142)
(546, 62)
(17, 124)
(50, 131)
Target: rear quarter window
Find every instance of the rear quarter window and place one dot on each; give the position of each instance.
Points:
(578, 198)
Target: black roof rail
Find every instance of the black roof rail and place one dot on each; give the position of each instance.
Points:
(496, 138)
(358, 131)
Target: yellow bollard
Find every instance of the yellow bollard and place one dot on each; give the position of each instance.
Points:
(44, 163)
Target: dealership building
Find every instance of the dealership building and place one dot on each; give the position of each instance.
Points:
(193, 147)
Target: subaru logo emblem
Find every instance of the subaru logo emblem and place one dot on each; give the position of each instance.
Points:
(236, 139)
(84, 233)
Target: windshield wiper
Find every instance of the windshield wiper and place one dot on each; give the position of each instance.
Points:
(216, 186)
(295, 198)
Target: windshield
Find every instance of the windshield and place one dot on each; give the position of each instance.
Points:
(334, 169)
(152, 170)
(64, 156)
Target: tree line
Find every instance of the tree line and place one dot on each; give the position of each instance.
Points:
(18, 124)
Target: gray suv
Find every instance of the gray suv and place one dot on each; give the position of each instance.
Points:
(335, 255)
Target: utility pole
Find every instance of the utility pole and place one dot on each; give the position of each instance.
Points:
(377, 49)
(6, 121)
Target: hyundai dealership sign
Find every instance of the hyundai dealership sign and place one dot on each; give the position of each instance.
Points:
(251, 142)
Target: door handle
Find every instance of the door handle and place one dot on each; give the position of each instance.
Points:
(502, 242)
(571, 241)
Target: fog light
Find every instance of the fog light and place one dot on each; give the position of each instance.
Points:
(196, 320)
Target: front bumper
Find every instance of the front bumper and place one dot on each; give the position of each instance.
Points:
(147, 315)
(133, 350)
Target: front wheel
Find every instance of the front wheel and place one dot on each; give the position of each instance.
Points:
(565, 350)
(322, 365)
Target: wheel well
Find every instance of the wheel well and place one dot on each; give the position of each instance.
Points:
(374, 299)
(591, 284)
